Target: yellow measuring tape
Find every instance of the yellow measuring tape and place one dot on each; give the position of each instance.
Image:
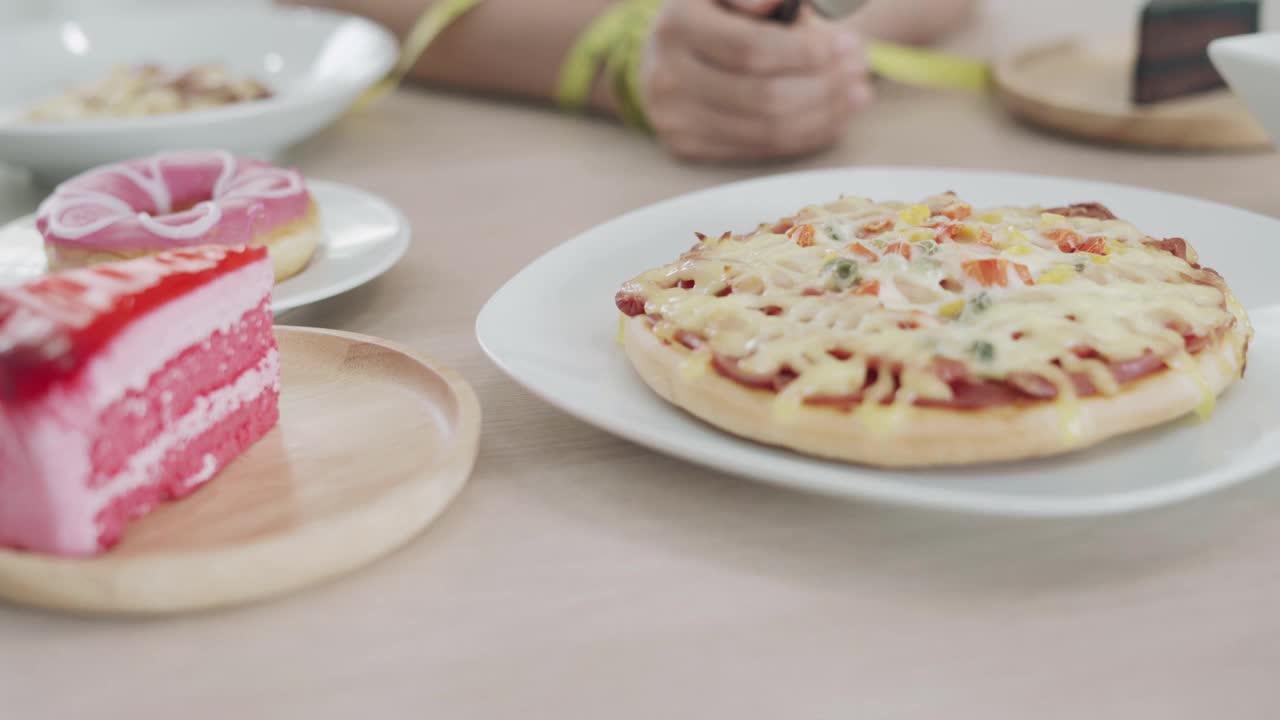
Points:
(589, 53)
(615, 42)
(927, 68)
(431, 23)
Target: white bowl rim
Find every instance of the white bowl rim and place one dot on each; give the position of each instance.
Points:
(196, 118)
(1246, 39)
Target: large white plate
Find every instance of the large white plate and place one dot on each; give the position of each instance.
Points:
(315, 61)
(553, 328)
(363, 237)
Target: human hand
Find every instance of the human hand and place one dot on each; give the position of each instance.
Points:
(720, 82)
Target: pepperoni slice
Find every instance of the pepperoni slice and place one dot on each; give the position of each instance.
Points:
(1033, 385)
(868, 287)
(949, 370)
(1175, 246)
(875, 227)
(975, 396)
(864, 253)
(956, 210)
(989, 272)
(693, 341)
(731, 368)
(802, 235)
(1094, 210)
(899, 248)
(1024, 273)
(1132, 369)
(1095, 244)
(630, 303)
(1068, 240)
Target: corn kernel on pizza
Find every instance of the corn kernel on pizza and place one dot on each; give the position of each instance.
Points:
(935, 333)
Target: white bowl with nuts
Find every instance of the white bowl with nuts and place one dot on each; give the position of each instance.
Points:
(89, 90)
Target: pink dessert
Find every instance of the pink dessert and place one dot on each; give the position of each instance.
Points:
(176, 200)
(126, 385)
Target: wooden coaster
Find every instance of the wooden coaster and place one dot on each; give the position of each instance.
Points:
(373, 443)
(1081, 88)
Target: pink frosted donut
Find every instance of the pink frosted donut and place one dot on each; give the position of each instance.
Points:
(180, 199)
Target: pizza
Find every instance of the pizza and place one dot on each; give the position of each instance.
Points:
(934, 333)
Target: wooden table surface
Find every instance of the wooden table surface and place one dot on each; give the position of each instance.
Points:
(579, 576)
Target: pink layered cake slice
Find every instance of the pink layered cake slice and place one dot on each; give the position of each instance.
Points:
(126, 385)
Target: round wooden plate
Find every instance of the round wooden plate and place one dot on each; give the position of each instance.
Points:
(373, 443)
(1081, 88)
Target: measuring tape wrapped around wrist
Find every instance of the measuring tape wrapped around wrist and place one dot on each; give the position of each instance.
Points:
(433, 21)
(613, 44)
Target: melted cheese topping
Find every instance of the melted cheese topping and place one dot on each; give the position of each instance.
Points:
(1005, 292)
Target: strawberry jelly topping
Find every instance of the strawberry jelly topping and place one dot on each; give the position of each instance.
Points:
(51, 326)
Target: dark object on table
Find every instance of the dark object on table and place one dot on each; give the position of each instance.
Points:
(786, 11)
(1173, 58)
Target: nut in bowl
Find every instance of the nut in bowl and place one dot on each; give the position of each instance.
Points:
(100, 89)
(145, 90)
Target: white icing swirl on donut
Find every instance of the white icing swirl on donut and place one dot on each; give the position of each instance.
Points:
(258, 182)
(193, 229)
(154, 186)
(55, 206)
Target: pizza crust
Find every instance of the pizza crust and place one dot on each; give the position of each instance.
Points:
(922, 437)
